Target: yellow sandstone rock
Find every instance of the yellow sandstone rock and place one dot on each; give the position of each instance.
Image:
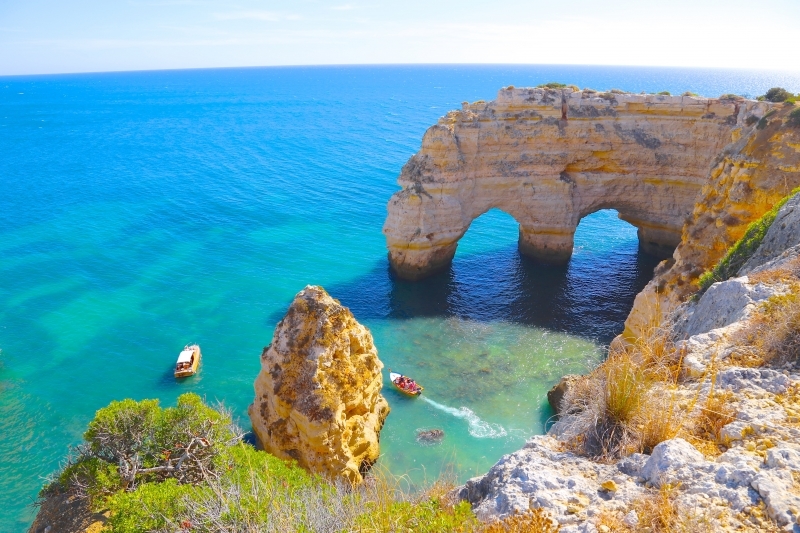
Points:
(609, 485)
(550, 157)
(749, 177)
(318, 395)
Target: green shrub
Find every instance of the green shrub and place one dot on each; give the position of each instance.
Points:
(690, 93)
(731, 96)
(765, 119)
(425, 517)
(238, 487)
(794, 118)
(150, 506)
(777, 94)
(665, 93)
(551, 85)
(744, 248)
(129, 443)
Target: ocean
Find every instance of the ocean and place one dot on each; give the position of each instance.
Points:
(141, 211)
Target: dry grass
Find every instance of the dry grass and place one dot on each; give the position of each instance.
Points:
(658, 512)
(625, 405)
(715, 413)
(661, 420)
(773, 335)
(532, 521)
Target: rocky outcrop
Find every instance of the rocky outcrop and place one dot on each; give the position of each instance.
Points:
(550, 157)
(65, 512)
(747, 180)
(557, 392)
(752, 485)
(318, 395)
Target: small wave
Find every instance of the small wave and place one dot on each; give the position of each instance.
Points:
(478, 428)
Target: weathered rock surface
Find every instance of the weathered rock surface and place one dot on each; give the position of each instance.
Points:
(722, 305)
(754, 485)
(748, 178)
(318, 395)
(67, 513)
(550, 157)
(556, 394)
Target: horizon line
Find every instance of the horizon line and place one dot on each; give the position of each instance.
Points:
(373, 65)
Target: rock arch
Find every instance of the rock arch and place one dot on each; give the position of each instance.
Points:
(647, 156)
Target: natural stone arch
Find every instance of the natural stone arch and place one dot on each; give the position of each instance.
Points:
(647, 156)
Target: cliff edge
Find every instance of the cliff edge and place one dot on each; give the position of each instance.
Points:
(747, 180)
(697, 432)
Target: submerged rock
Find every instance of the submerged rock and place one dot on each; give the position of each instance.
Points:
(430, 436)
(318, 395)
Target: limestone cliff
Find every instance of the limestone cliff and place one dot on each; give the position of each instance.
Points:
(738, 475)
(747, 179)
(550, 157)
(318, 395)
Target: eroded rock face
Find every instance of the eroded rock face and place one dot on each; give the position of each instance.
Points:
(318, 395)
(751, 486)
(747, 180)
(549, 158)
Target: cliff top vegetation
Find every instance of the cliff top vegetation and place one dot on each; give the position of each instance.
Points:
(185, 468)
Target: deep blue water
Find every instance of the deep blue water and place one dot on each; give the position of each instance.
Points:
(141, 211)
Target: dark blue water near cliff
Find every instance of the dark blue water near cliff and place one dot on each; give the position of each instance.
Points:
(141, 211)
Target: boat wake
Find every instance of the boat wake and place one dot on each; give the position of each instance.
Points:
(477, 428)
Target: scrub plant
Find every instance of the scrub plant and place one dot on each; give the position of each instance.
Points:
(772, 337)
(185, 468)
(743, 249)
(794, 118)
(777, 94)
(715, 413)
(625, 405)
(531, 521)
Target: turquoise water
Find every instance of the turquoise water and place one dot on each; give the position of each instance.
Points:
(141, 211)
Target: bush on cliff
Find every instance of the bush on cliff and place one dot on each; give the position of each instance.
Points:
(743, 249)
(624, 405)
(794, 118)
(129, 443)
(129, 465)
(777, 94)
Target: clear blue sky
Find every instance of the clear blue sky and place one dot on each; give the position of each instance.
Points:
(46, 36)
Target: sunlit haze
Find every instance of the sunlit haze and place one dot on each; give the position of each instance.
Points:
(48, 36)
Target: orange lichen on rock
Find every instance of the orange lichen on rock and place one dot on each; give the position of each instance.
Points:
(318, 395)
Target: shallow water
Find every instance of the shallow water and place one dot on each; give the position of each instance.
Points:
(141, 211)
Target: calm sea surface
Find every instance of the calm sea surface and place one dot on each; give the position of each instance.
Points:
(142, 211)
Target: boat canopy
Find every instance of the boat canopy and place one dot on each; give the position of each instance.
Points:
(185, 356)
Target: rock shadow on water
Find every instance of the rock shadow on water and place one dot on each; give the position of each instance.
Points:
(590, 297)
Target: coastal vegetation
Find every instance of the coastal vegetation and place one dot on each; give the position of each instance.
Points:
(777, 94)
(186, 468)
(794, 118)
(743, 249)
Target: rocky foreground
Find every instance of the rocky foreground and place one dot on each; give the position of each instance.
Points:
(744, 476)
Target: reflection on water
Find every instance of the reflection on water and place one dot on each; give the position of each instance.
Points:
(489, 337)
(590, 297)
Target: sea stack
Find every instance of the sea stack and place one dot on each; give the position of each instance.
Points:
(318, 395)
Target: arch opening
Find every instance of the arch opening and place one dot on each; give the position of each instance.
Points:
(493, 230)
